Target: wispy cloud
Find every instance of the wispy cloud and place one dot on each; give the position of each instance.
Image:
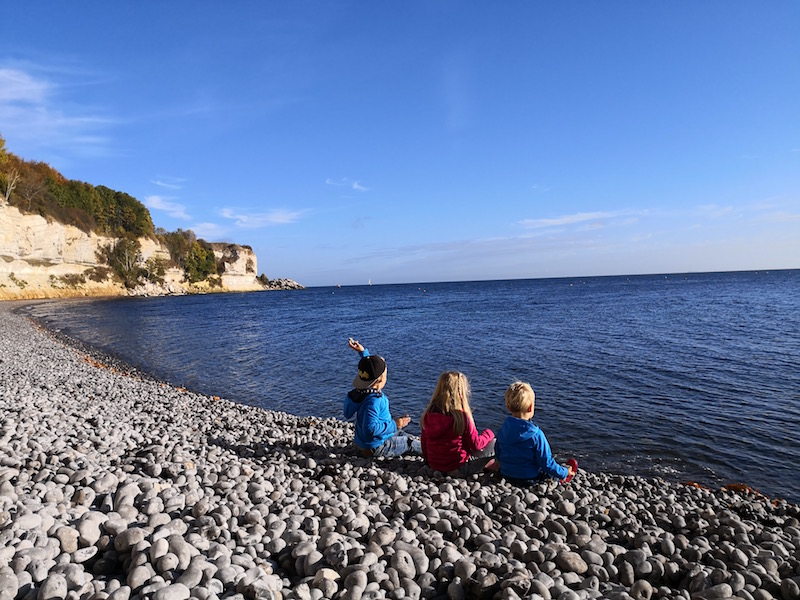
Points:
(346, 182)
(32, 111)
(210, 231)
(714, 210)
(18, 87)
(782, 217)
(542, 189)
(567, 220)
(277, 216)
(171, 183)
(166, 204)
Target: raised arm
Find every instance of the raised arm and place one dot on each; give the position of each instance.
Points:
(357, 346)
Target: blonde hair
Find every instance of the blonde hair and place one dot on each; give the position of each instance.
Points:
(451, 397)
(520, 397)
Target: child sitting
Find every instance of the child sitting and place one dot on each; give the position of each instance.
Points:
(522, 447)
(377, 434)
(450, 441)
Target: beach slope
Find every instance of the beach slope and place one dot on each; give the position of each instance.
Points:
(113, 485)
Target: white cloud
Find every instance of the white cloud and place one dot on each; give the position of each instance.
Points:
(173, 209)
(19, 87)
(32, 113)
(346, 182)
(277, 216)
(210, 231)
(171, 183)
(566, 220)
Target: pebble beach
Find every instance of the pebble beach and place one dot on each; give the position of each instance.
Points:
(115, 485)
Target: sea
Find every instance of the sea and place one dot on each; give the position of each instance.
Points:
(685, 377)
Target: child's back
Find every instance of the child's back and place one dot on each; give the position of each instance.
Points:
(522, 448)
(376, 432)
(523, 451)
(450, 440)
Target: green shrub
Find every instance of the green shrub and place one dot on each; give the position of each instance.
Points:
(20, 283)
(98, 274)
(73, 280)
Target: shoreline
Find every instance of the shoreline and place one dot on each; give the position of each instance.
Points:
(116, 485)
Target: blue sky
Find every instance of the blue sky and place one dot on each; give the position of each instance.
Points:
(428, 141)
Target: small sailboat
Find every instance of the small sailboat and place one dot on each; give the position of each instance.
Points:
(370, 281)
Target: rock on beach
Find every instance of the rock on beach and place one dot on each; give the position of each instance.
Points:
(115, 486)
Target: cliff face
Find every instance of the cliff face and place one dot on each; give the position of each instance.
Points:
(42, 259)
(240, 263)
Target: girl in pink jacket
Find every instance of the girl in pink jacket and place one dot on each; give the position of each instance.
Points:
(450, 441)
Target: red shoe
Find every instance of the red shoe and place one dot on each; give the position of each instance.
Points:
(574, 464)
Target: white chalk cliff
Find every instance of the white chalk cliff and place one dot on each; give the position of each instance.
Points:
(46, 259)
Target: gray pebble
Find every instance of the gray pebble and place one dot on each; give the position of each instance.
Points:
(176, 591)
(53, 588)
(572, 561)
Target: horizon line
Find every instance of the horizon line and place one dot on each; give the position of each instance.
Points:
(654, 274)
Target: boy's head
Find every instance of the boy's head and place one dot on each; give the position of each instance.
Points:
(520, 399)
(371, 373)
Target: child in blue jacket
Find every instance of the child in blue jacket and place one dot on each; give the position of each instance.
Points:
(522, 448)
(377, 433)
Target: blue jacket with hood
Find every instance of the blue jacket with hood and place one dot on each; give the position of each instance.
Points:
(374, 423)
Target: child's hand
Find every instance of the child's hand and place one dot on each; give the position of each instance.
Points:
(355, 345)
(402, 421)
(570, 471)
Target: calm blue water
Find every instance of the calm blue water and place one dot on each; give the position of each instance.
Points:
(687, 377)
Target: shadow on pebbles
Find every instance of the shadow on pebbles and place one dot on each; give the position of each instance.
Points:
(119, 487)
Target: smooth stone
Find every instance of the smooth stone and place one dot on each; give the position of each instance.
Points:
(641, 590)
(539, 588)
(404, 564)
(790, 588)
(139, 576)
(571, 561)
(8, 581)
(176, 591)
(722, 590)
(68, 537)
(83, 554)
(125, 540)
(121, 593)
(191, 577)
(27, 521)
(53, 588)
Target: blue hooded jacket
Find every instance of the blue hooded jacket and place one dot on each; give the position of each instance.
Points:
(523, 451)
(374, 423)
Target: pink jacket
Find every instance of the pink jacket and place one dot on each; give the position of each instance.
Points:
(443, 449)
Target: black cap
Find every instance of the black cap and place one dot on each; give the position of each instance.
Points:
(370, 368)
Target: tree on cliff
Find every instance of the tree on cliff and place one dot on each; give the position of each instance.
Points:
(8, 179)
(40, 189)
(178, 243)
(124, 256)
(43, 190)
(200, 262)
